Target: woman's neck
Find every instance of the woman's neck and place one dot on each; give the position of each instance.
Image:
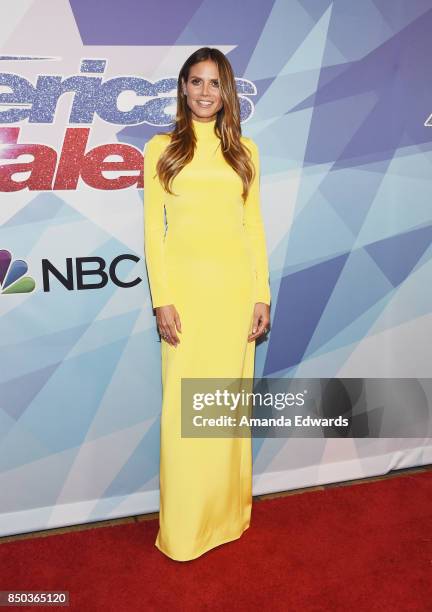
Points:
(204, 129)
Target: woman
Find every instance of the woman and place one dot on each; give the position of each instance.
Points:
(208, 278)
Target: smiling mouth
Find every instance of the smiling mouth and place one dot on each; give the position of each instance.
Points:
(204, 103)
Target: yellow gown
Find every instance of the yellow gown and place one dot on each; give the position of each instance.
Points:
(211, 263)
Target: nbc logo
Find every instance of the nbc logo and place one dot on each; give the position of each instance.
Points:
(12, 279)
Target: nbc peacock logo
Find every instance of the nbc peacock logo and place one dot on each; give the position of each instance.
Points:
(12, 279)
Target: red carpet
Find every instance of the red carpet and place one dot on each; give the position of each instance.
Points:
(361, 547)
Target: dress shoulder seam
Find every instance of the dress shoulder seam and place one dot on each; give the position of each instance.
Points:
(160, 137)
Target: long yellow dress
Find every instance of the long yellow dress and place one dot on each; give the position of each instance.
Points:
(211, 263)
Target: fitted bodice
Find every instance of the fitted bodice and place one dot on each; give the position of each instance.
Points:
(208, 199)
(209, 225)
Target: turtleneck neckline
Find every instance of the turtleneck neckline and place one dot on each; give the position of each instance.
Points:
(204, 129)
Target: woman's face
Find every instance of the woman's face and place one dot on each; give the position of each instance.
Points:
(202, 91)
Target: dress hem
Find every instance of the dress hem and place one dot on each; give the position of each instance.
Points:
(206, 548)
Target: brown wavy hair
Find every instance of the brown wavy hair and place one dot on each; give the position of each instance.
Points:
(180, 150)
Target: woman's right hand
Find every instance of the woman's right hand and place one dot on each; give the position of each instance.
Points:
(168, 322)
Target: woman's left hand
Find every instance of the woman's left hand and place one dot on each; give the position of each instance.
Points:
(261, 321)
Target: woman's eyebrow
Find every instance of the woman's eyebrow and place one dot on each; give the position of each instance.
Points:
(194, 76)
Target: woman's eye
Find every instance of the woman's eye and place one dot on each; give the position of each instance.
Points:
(197, 82)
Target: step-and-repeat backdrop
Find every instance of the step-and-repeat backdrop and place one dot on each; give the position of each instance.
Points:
(338, 96)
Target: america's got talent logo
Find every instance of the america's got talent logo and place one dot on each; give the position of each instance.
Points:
(92, 97)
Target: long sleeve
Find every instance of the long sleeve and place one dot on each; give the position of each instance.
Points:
(154, 226)
(253, 223)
